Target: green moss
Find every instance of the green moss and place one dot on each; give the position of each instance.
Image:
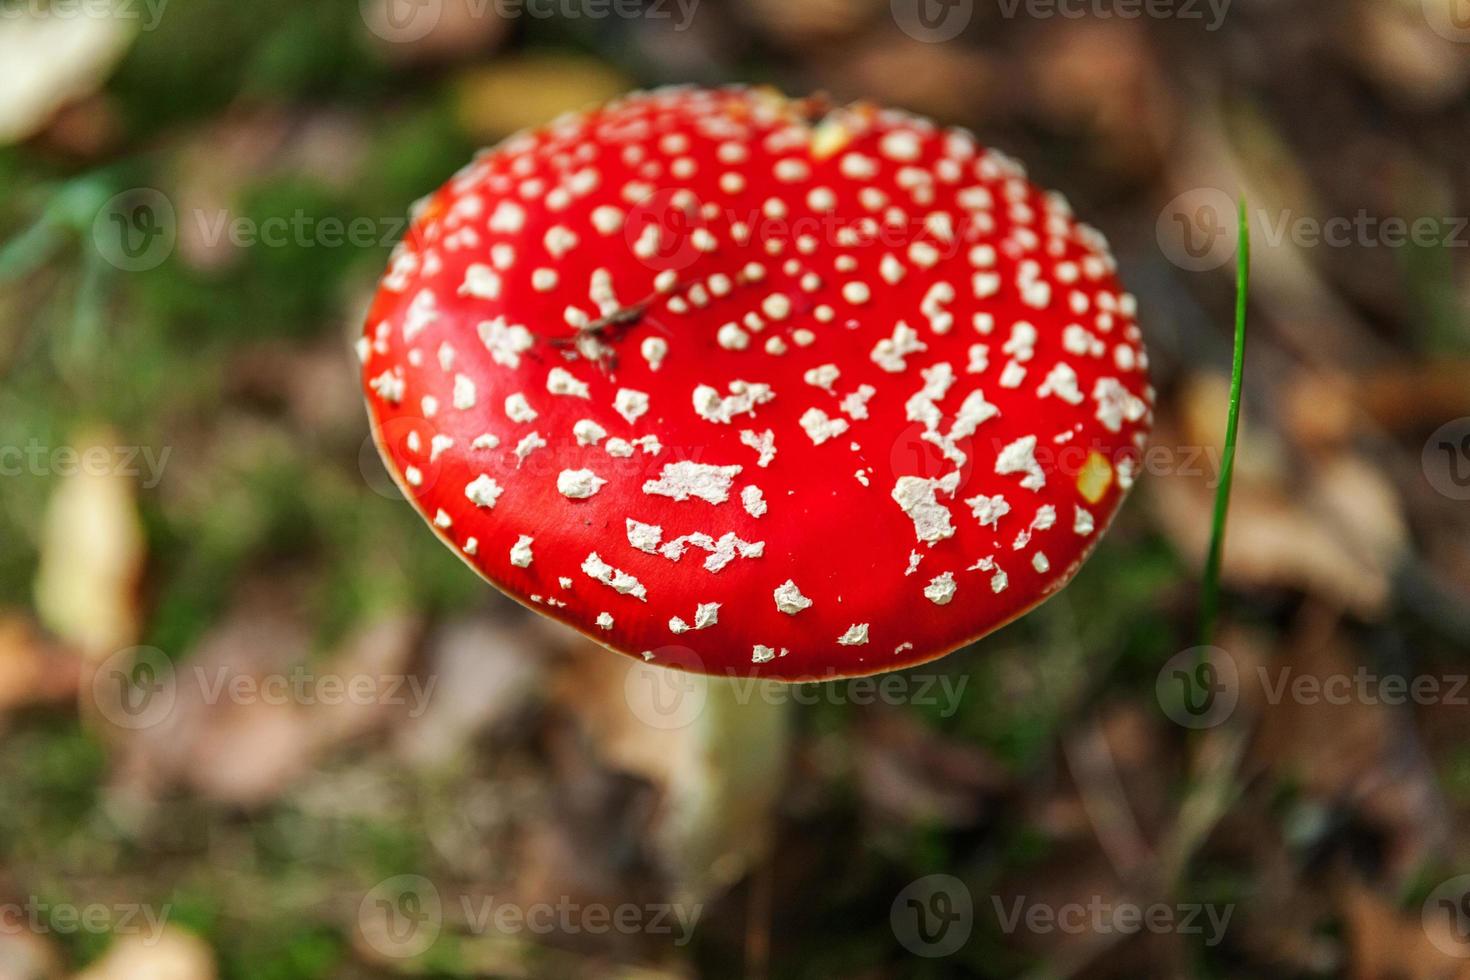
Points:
(52, 771)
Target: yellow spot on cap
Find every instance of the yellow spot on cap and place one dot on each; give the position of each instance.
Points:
(829, 138)
(771, 97)
(1095, 477)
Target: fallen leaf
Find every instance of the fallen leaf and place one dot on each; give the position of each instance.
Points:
(1396, 48)
(1374, 764)
(24, 955)
(52, 60)
(483, 673)
(172, 955)
(92, 553)
(1334, 407)
(1100, 78)
(31, 670)
(1334, 529)
(1386, 943)
(373, 668)
(251, 712)
(813, 21)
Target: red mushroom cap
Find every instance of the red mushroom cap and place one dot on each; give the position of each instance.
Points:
(754, 386)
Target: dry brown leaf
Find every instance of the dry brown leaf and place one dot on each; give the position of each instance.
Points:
(228, 746)
(483, 673)
(1355, 497)
(31, 671)
(1323, 408)
(1202, 409)
(948, 81)
(1246, 154)
(1373, 763)
(1271, 542)
(1396, 47)
(251, 712)
(1335, 528)
(1386, 943)
(813, 21)
(1328, 406)
(1099, 78)
(376, 659)
(90, 128)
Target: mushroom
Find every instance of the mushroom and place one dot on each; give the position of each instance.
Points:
(755, 386)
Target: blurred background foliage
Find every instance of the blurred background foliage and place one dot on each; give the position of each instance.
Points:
(271, 539)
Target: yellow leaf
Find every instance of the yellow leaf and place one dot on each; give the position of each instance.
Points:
(92, 549)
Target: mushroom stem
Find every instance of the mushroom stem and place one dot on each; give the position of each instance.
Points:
(722, 795)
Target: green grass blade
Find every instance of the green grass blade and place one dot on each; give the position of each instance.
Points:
(1210, 588)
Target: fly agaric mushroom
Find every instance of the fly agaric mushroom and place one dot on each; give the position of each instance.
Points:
(807, 391)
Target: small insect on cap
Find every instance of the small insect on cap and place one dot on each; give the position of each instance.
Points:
(752, 386)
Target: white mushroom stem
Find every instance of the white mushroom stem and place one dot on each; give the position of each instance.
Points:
(723, 786)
